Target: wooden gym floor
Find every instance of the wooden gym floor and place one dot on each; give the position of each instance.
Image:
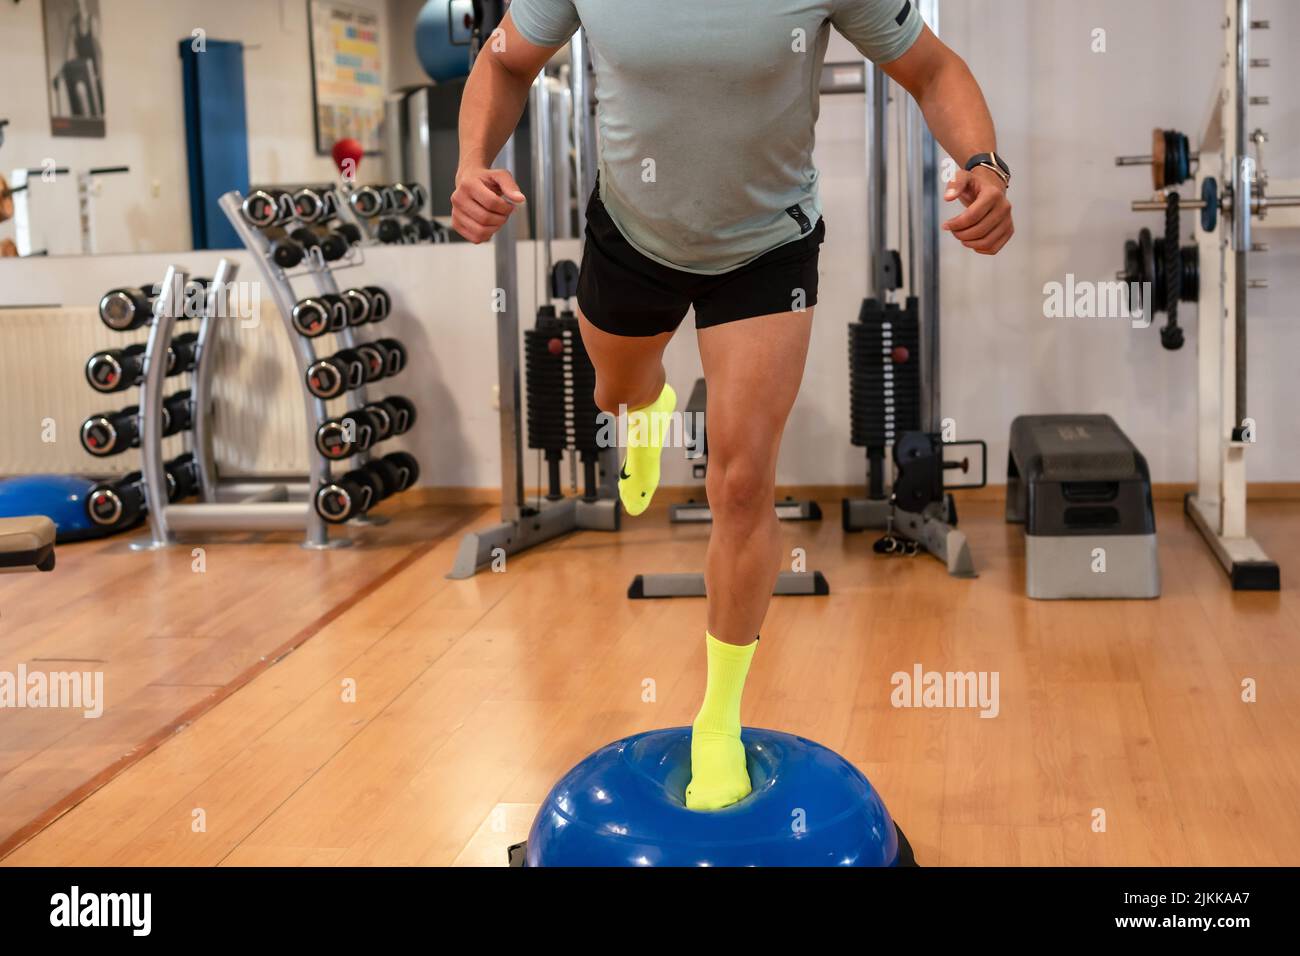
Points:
(229, 736)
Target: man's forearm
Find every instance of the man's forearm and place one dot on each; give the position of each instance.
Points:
(956, 112)
(490, 109)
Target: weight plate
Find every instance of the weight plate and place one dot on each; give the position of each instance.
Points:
(1146, 246)
(1210, 212)
(1158, 158)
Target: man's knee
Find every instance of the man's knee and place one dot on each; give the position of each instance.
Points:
(740, 491)
(613, 395)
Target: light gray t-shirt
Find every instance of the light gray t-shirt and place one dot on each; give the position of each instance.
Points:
(706, 110)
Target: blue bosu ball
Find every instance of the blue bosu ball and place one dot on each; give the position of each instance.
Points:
(625, 806)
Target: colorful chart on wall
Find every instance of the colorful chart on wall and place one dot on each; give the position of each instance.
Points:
(347, 74)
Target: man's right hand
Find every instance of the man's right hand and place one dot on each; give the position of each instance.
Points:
(483, 199)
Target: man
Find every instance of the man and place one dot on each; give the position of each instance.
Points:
(707, 198)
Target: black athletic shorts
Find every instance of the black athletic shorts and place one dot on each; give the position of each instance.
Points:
(623, 292)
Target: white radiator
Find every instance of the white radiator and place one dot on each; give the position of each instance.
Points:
(260, 424)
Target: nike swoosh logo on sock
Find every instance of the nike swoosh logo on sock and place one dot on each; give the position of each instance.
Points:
(622, 472)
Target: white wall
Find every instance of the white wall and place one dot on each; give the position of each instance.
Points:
(1063, 113)
(403, 66)
(145, 112)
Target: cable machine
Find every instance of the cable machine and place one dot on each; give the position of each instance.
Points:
(524, 522)
(894, 348)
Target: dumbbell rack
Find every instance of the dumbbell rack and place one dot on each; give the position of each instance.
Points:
(370, 206)
(280, 284)
(243, 505)
(257, 506)
(150, 415)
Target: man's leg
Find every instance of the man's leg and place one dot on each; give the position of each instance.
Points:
(630, 373)
(753, 368)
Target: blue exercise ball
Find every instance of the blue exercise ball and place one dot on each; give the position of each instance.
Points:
(441, 40)
(625, 806)
(61, 498)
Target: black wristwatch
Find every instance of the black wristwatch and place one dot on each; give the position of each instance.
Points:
(994, 162)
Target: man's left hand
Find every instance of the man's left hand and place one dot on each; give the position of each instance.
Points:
(985, 225)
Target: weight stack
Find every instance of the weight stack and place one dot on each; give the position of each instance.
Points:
(884, 380)
(545, 357)
(560, 390)
(586, 416)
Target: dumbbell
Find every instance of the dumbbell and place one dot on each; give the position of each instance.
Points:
(418, 229)
(111, 433)
(389, 231)
(177, 413)
(286, 252)
(127, 309)
(376, 359)
(382, 415)
(338, 373)
(394, 356)
(344, 498)
(310, 205)
(115, 370)
(261, 208)
(371, 304)
(403, 413)
(338, 310)
(380, 303)
(182, 353)
(398, 199)
(350, 233)
(312, 317)
(116, 504)
(366, 201)
(406, 467)
(419, 196)
(359, 304)
(332, 246)
(182, 476)
(346, 435)
(387, 475)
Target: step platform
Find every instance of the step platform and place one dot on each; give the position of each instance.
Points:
(1083, 492)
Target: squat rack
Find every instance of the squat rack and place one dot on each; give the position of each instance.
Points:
(1224, 431)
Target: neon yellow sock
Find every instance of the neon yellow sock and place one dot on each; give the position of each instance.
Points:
(647, 428)
(718, 774)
